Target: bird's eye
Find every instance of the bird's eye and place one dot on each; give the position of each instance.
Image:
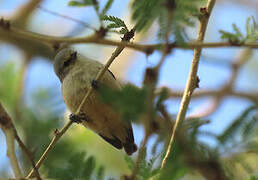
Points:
(72, 57)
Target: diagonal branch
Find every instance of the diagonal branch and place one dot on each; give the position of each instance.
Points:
(192, 81)
(7, 127)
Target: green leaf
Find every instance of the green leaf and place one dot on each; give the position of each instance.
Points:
(123, 31)
(80, 4)
(237, 31)
(116, 22)
(182, 13)
(129, 101)
(9, 83)
(252, 178)
(107, 7)
(249, 127)
(236, 125)
(130, 162)
(231, 37)
(162, 97)
(89, 167)
(100, 173)
(251, 28)
(113, 25)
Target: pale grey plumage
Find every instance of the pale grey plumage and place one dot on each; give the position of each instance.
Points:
(76, 73)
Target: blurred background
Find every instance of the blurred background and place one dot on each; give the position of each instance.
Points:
(31, 92)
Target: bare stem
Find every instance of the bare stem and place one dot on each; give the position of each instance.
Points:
(11, 152)
(8, 129)
(192, 78)
(58, 135)
(146, 48)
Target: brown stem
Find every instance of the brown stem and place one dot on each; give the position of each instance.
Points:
(8, 129)
(15, 32)
(192, 78)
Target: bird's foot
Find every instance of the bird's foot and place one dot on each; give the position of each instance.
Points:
(78, 118)
(95, 84)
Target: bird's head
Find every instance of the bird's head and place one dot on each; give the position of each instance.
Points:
(64, 62)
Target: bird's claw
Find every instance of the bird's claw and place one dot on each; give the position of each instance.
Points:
(78, 118)
(75, 118)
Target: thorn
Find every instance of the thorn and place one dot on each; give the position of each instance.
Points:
(101, 32)
(150, 76)
(197, 81)
(204, 11)
(5, 24)
(56, 132)
(149, 51)
(128, 35)
(56, 47)
(95, 84)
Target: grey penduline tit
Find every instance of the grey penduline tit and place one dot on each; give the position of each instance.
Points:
(76, 74)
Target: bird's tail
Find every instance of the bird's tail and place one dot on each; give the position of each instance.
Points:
(130, 148)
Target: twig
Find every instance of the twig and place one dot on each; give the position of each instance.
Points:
(192, 78)
(146, 48)
(208, 167)
(150, 81)
(252, 96)
(25, 11)
(11, 152)
(28, 154)
(140, 156)
(7, 127)
(66, 17)
(58, 134)
(241, 59)
(6, 123)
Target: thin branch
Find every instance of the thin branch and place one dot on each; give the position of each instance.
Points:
(67, 17)
(7, 127)
(252, 96)
(150, 81)
(11, 152)
(25, 11)
(58, 134)
(6, 123)
(241, 60)
(141, 151)
(146, 48)
(192, 78)
(28, 154)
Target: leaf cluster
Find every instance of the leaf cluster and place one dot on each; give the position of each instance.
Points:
(147, 168)
(115, 22)
(77, 166)
(129, 101)
(245, 125)
(9, 84)
(238, 37)
(171, 15)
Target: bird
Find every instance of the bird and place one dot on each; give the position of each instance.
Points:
(77, 74)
